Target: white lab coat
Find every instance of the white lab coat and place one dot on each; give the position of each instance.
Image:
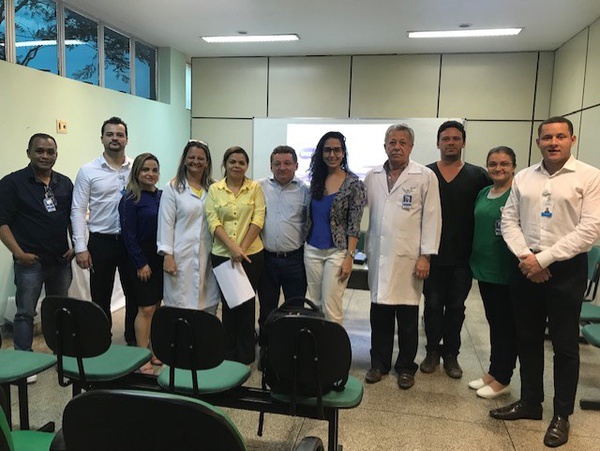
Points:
(183, 232)
(400, 230)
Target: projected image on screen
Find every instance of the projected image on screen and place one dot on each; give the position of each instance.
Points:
(364, 140)
(364, 144)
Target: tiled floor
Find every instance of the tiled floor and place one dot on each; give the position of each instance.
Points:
(437, 413)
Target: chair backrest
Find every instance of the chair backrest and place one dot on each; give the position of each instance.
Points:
(593, 262)
(593, 272)
(308, 356)
(6, 443)
(297, 341)
(187, 339)
(75, 328)
(146, 421)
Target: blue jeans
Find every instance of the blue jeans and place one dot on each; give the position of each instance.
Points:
(29, 280)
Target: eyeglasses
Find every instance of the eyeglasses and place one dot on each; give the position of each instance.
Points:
(502, 164)
(336, 150)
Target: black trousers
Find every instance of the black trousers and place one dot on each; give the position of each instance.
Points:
(556, 302)
(501, 318)
(108, 253)
(445, 291)
(239, 321)
(281, 272)
(383, 319)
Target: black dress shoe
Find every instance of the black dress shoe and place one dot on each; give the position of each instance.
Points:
(517, 411)
(431, 362)
(406, 380)
(557, 433)
(452, 367)
(373, 376)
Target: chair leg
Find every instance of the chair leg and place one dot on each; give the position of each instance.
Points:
(332, 439)
(589, 404)
(23, 404)
(8, 409)
(76, 386)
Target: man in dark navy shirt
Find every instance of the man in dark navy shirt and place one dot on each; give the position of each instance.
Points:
(450, 276)
(35, 208)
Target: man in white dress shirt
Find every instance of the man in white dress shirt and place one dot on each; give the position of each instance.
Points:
(550, 221)
(405, 223)
(99, 186)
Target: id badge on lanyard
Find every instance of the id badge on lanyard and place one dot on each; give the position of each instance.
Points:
(547, 204)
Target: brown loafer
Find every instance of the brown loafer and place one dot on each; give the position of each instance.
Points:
(557, 433)
(406, 380)
(373, 376)
(517, 411)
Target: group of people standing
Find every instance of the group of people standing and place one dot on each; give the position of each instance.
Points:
(524, 239)
(432, 229)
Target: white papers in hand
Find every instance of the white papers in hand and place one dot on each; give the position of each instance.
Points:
(234, 283)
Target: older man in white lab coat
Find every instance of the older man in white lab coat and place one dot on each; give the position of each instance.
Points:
(404, 230)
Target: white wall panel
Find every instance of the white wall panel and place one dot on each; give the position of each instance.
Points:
(544, 85)
(588, 137)
(309, 86)
(395, 86)
(569, 69)
(220, 134)
(488, 86)
(483, 136)
(229, 87)
(591, 91)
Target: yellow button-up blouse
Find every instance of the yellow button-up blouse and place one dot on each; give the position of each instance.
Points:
(235, 214)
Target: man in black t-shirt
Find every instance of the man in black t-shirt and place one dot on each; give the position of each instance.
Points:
(450, 276)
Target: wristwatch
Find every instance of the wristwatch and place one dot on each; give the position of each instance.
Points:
(350, 253)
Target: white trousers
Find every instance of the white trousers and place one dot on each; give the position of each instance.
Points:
(322, 274)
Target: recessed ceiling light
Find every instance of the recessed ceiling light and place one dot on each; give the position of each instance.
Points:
(251, 38)
(489, 32)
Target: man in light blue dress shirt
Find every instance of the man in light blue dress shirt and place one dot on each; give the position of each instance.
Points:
(286, 199)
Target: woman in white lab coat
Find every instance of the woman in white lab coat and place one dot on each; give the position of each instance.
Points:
(404, 230)
(183, 235)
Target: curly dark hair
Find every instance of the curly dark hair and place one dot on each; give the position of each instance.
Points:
(318, 169)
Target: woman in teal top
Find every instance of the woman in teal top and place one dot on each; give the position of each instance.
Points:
(491, 262)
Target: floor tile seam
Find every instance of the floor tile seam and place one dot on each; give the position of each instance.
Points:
(421, 415)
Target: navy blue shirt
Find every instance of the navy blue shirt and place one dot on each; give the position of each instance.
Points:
(139, 223)
(22, 208)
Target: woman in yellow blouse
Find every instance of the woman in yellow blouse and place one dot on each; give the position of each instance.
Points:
(235, 209)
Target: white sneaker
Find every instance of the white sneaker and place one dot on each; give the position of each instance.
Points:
(488, 392)
(32, 379)
(477, 384)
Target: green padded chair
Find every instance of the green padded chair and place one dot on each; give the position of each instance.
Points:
(191, 344)
(15, 368)
(79, 333)
(140, 420)
(311, 358)
(23, 440)
(593, 273)
(590, 312)
(591, 333)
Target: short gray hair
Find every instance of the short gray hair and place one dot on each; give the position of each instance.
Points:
(400, 128)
